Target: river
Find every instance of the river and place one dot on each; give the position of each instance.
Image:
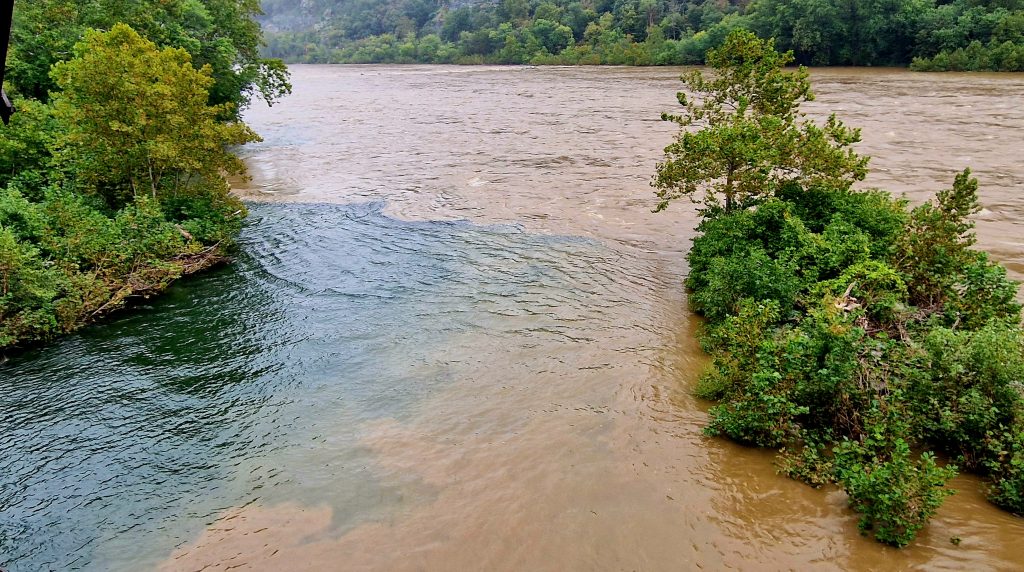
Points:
(455, 338)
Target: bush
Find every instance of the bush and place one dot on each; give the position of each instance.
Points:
(983, 294)
(1006, 464)
(762, 415)
(817, 323)
(751, 274)
(842, 326)
(809, 460)
(971, 387)
(895, 494)
(27, 290)
(872, 286)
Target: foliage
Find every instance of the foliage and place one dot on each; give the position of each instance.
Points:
(219, 33)
(762, 415)
(861, 337)
(26, 289)
(939, 241)
(753, 139)
(114, 186)
(26, 147)
(812, 334)
(858, 32)
(956, 34)
(810, 461)
(895, 494)
(995, 56)
(971, 387)
(137, 118)
(1005, 461)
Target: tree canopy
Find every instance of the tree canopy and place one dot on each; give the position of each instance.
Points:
(946, 34)
(112, 172)
(753, 138)
(220, 33)
(137, 118)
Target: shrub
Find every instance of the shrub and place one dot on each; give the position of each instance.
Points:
(970, 389)
(814, 328)
(1006, 464)
(983, 294)
(871, 285)
(895, 494)
(751, 274)
(762, 415)
(27, 289)
(809, 459)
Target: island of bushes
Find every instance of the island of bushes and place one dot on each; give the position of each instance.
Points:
(866, 340)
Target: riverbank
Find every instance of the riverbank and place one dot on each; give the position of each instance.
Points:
(952, 35)
(110, 189)
(84, 266)
(116, 294)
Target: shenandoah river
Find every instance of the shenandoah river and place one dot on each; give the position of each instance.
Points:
(456, 338)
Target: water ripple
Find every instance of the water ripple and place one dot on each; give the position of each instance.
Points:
(119, 443)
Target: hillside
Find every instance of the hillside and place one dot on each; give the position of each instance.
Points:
(962, 34)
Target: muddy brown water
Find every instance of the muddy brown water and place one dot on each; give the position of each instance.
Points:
(628, 482)
(457, 339)
(572, 150)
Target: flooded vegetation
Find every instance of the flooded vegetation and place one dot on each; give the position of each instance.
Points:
(457, 338)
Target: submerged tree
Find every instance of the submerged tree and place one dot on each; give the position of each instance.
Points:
(753, 137)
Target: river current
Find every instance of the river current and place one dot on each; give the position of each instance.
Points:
(456, 338)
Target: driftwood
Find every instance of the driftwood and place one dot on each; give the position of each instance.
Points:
(846, 302)
(145, 282)
(207, 258)
(185, 233)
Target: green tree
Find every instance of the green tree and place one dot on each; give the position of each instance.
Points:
(138, 120)
(221, 33)
(115, 187)
(552, 35)
(456, 22)
(813, 29)
(514, 10)
(753, 136)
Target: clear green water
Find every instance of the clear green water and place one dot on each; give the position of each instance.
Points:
(250, 384)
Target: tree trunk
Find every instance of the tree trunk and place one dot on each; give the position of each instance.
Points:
(152, 180)
(728, 191)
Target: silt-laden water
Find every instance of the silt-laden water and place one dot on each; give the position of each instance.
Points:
(455, 338)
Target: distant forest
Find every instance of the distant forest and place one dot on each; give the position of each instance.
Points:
(928, 35)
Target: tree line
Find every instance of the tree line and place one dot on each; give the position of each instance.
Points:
(112, 170)
(926, 34)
